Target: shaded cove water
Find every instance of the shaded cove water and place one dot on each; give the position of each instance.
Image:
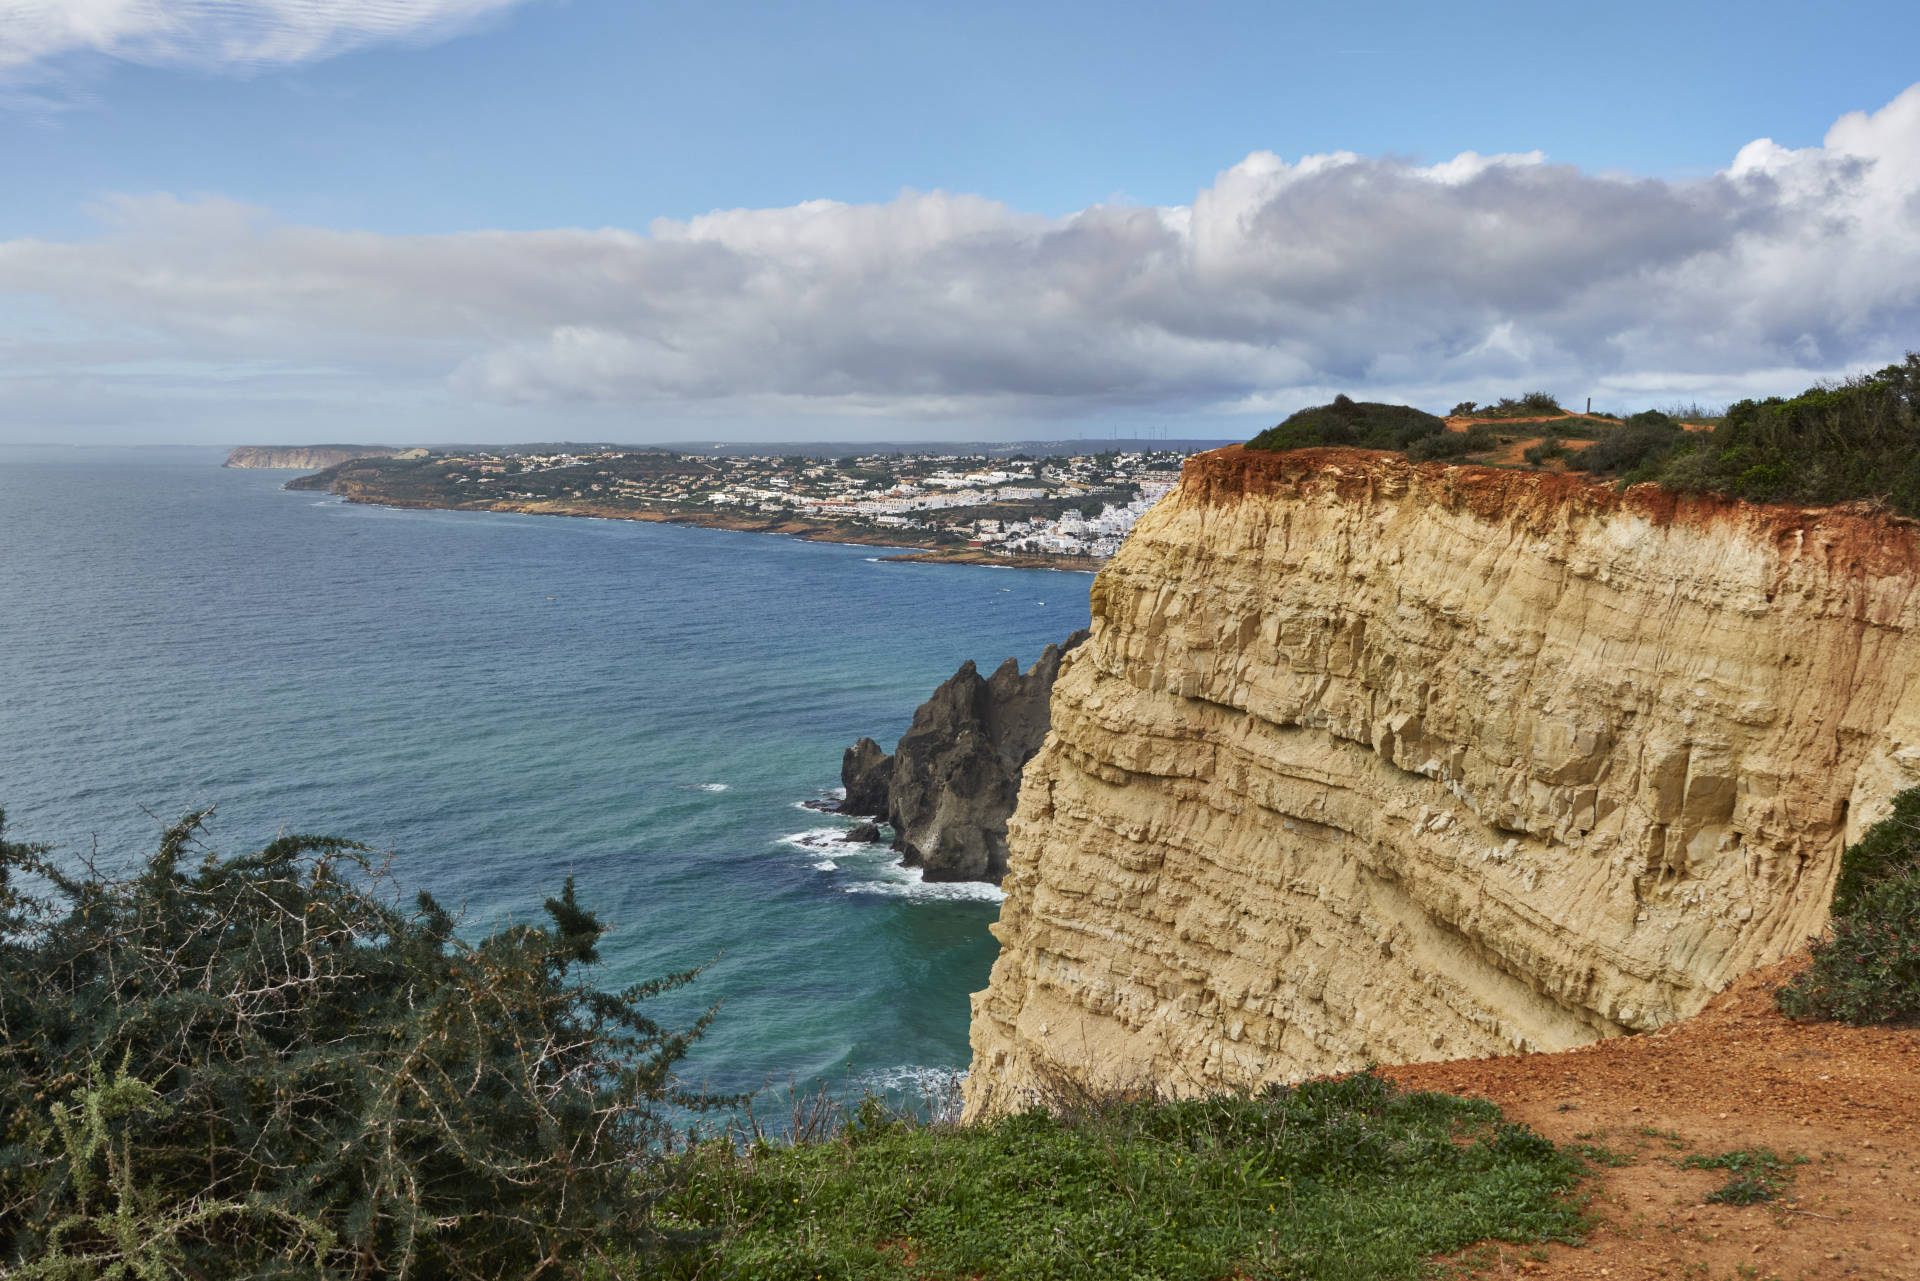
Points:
(503, 700)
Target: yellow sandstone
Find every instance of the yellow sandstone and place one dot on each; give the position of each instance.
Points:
(1375, 761)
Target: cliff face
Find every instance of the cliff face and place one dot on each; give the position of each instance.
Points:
(303, 457)
(1369, 760)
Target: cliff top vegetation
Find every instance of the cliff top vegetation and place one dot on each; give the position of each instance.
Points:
(277, 1065)
(1362, 424)
(1851, 441)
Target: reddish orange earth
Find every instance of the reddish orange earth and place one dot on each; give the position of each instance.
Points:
(1738, 1076)
(1465, 421)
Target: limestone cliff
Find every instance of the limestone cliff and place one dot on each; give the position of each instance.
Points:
(303, 457)
(1370, 760)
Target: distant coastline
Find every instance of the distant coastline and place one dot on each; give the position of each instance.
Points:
(810, 531)
(1017, 513)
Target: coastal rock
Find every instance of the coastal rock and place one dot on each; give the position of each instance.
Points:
(863, 834)
(1378, 761)
(956, 771)
(866, 773)
(304, 457)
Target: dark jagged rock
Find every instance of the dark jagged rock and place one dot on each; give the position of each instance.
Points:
(866, 773)
(864, 834)
(953, 780)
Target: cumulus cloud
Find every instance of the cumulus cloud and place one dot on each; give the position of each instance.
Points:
(1280, 283)
(212, 34)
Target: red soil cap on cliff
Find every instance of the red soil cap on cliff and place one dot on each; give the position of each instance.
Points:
(1854, 536)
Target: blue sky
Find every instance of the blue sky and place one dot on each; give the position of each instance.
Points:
(252, 218)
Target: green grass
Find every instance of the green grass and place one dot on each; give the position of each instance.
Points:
(1349, 1180)
(1757, 1174)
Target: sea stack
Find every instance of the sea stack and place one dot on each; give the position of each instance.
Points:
(951, 784)
(866, 772)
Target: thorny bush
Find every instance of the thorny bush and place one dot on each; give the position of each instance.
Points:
(266, 1066)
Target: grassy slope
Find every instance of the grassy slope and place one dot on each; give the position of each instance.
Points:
(1345, 1180)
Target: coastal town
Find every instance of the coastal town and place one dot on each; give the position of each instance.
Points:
(1070, 510)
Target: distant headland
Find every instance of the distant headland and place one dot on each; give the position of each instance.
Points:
(309, 457)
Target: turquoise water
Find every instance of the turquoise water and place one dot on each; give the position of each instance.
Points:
(504, 700)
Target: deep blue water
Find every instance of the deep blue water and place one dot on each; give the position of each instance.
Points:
(503, 700)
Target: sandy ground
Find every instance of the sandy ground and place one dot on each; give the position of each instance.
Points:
(1738, 1076)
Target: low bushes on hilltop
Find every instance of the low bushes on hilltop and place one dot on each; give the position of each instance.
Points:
(1451, 444)
(1866, 967)
(265, 1065)
(1619, 448)
(1856, 440)
(1860, 439)
(1534, 404)
(1356, 423)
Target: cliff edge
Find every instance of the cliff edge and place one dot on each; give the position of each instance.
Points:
(1369, 760)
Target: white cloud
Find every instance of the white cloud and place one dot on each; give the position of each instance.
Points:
(1280, 283)
(233, 34)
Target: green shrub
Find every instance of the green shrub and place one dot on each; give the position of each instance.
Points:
(1462, 410)
(1534, 404)
(1866, 967)
(1885, 850)
(1544, 452)
(1358, 424)
(1859, 439)
(263, 1065)
(1452, 444)
(1642, 438)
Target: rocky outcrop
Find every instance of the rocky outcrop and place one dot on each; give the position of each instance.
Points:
(1370, 760)
(952, 781)
(866, 773)
(304, 457)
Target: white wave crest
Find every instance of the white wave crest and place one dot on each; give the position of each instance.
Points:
(908, 882)
(935, 1086)
(816, 838)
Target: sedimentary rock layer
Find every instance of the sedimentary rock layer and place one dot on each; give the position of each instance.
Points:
(1369, 760)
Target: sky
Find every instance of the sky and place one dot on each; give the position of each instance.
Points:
(406, 221)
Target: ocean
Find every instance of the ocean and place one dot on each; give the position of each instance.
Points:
(505, 700)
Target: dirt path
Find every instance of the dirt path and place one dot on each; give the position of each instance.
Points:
(1738, 1076)
(1465, 422)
